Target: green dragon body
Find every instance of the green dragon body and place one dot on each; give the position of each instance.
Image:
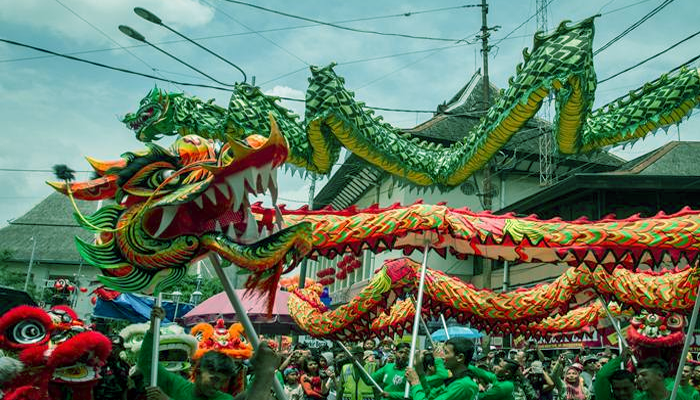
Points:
(560, 63)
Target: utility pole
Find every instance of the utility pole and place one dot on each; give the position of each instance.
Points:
(487, 185)
(545, 139)
(312, 193)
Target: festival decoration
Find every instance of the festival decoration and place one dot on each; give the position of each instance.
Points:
(657, 335)
(59, 353)
(230, 341)
(173, 206)
(533, 312)
(176, 348)
(560, 63)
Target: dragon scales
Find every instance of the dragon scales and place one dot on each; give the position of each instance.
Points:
(561, 63)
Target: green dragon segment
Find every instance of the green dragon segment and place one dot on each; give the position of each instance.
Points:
(537, 312)
(560, 63)
(174, 206)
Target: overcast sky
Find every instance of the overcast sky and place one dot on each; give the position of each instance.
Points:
(55, 110)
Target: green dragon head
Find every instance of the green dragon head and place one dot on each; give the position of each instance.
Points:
(174, 206)
(155, 116)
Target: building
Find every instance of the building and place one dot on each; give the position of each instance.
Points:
(44, 238)
(516, 176)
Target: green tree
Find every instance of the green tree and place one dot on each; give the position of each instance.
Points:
(209, 287)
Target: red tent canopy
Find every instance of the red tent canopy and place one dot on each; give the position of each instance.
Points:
(219, 306)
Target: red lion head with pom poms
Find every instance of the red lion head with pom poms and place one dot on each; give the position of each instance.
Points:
(60, 355)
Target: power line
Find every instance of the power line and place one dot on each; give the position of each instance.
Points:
(406, 14)
(521, 25)
(253, 30)
(633, 26)
(348, 28)
(650, 58)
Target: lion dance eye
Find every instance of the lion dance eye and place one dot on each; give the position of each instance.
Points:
(652, 319)
(28, 332)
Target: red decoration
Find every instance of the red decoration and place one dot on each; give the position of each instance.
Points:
(340, 275)
(70, 288)
(83, 289)
(93, 300)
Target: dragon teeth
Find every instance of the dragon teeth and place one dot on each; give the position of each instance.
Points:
(199, 201)
(217, 227)
(237, 185)
(166, 219)
(223, 188)
(251, 228)
(231, 231)
(211, 195)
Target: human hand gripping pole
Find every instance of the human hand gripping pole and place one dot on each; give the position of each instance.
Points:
(244, 319)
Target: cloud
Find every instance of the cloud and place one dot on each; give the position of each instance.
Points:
(56, 18)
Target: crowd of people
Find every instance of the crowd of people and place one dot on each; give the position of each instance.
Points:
(377, 370)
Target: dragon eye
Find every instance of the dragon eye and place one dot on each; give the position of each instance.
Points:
(164, 175)
(28, 331)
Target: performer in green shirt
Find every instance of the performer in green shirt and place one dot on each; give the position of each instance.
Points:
(458, 355)
(215, 370)
(391, 377)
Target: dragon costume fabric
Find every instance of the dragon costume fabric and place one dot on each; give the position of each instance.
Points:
(61, 356)
(539, 311)
(560, 63)
(175, 350)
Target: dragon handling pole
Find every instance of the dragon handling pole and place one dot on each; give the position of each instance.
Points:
(243, 317)
(686, 346)
(155, 328)
(417, 317)
(358, 365)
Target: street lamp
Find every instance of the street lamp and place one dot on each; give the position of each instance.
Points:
(176, 298)
(31, 263)
(150, 17)
(195, 297)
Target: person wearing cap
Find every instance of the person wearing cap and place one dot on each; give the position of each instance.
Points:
(540, 380)
(353, 383)
(590, 367)
(458, 355)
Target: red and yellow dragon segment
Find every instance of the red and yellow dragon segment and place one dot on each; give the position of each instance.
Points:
(575, 322)
(609, 242)
(518, 311)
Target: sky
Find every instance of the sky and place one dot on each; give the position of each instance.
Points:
(56, 111)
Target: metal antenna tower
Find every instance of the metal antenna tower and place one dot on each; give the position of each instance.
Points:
(545, 140)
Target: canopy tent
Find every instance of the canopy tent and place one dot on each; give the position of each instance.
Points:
(219, 306)
(135, 308)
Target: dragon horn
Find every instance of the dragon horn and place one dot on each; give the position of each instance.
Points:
(101, 167)
(96, 189)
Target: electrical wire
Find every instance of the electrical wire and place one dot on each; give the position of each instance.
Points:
(633, 26)
(332, 25)
(649, 58)
(406, 14)
(227, 15)
(520, 26)
(107, 36)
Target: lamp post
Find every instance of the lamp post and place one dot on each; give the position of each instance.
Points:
(31, 263)
(176, 297)
(196, 296)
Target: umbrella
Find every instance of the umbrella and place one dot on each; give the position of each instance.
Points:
(456, 331)
(219, 306)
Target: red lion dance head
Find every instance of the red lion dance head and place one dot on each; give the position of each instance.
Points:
(61, 356)
(654, 335)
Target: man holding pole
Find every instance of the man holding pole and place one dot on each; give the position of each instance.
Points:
(353, 383)
(213, 375)
(391, 377)
(458, 355)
